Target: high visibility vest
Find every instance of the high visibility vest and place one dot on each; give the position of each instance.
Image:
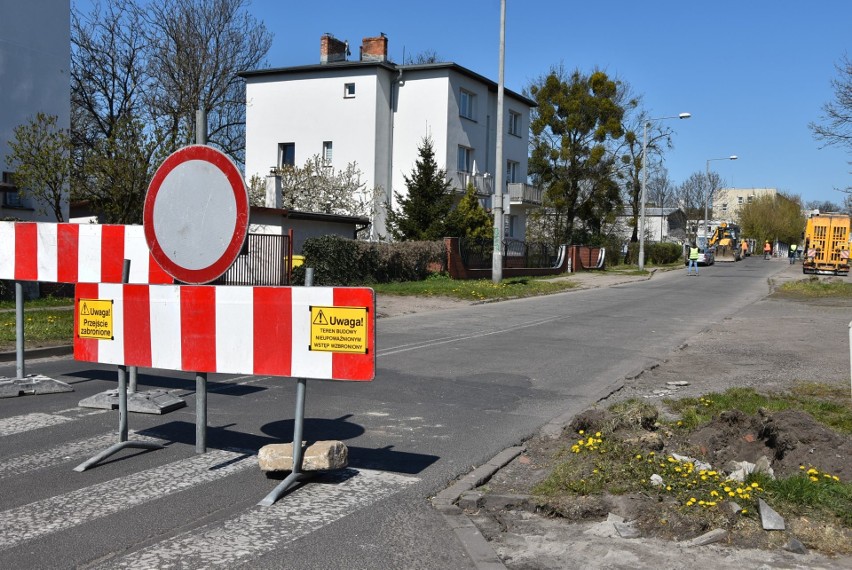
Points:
(767, 247)
(693, 253)
(793, 247)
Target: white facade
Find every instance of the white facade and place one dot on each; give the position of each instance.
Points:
(376, 114)
(35, 62)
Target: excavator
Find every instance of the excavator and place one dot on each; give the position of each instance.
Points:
(725, 243)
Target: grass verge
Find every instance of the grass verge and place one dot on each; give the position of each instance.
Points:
(816, 288)
(43, 326)
(441, 285)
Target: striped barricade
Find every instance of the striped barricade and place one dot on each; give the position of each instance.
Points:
(72, 253)
(304, 332)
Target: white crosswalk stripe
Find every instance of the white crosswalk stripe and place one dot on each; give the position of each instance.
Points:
(38, 420)
(75, 450)
(70, 509)
(262, 529)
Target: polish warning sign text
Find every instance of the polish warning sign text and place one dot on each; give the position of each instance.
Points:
(339, 329)
(94, 319)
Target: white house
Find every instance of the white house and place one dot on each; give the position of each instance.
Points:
(376, 113)
(35, 63)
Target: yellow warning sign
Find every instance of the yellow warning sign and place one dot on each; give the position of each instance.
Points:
(339, 329)
(95, 319)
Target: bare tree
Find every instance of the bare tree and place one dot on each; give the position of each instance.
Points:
(630, 157)
(115, 151)
(836, 125)
(199, 48)
(692, 195)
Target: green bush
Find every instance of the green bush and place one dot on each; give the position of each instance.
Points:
(340, 261)
(655, 253)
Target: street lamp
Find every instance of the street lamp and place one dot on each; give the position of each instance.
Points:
(710, 191)
(644, 181)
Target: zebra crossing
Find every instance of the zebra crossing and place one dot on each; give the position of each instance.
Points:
(236, 539)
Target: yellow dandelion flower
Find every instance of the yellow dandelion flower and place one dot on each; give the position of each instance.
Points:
(744, 511)
(755, 485)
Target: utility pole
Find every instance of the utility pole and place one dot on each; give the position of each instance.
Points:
(497, 257)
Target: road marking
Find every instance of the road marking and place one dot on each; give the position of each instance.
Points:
(38, 420)
(64, 453)
(58, 513)
(237, 540)
(479, 334)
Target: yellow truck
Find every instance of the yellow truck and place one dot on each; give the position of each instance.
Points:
(826, 250)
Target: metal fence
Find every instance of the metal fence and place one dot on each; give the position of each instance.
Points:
(478, 253)
(264, 260)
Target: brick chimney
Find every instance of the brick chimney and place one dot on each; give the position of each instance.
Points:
(332, 49)
(374, 49)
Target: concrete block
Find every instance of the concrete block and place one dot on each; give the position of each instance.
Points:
(320, 456)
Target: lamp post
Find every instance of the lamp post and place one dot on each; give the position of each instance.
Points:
(644, 182)
(710, 191)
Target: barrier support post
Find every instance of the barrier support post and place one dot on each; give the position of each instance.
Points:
(123, 442)
(19, 330)
(201, 412)
(296, 476)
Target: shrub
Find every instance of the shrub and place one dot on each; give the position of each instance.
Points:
(340, 261)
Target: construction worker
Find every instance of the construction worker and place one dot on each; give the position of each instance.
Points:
(693, 259)
(792, 253)
(767, 250)
(744, 248)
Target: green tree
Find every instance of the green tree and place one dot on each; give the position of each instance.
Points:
(768, 218)
(577, 117)
(40, 157)
(423, 212)
(118, 170)
(469, 218)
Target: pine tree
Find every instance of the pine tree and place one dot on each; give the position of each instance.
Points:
(470, 219)
(422, 214)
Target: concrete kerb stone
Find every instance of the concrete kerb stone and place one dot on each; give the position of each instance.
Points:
(479, 550)
(46, 352)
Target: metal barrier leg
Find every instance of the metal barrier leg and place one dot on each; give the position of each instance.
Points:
(19, 329)
(297, 476)
(201, 412)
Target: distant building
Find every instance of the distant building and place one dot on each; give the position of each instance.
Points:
(728, 202)
(661, 224)
(35, 63)
(375, 113)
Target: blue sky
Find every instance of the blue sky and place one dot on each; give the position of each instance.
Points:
(753, 73)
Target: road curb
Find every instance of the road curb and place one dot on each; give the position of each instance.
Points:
(33, 353)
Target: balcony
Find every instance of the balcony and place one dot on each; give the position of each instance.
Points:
(521, 194)
(483, 183)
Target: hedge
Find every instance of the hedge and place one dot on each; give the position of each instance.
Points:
(341, 261)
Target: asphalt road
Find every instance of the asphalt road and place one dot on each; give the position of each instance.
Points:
(453, 388)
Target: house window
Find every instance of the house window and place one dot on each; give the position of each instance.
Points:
(11, 195)
(348, 90)
(286, 154)
(739, 199)
(512, 171)
(750, 198)
(467, 106)
(326, 152)
(514, 123)
(465, 159)
(511, 222)
(725, 207)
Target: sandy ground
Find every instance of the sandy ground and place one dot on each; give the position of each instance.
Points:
(735, 352)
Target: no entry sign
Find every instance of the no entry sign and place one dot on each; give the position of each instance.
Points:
(196, 214)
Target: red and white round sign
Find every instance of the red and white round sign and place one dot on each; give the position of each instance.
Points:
(196, 214)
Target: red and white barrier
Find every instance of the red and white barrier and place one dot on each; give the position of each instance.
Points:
(228, 329)
(72, 253)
